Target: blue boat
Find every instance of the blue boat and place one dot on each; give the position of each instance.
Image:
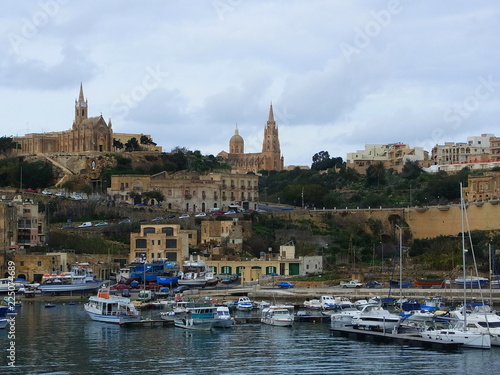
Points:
(397, 284)
(161, 271)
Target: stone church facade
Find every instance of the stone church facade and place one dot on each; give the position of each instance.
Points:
(269, 159)
(88, 134)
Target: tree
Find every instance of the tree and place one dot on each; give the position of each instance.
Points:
(145, 140)
(132, 145)
(322, 161)
(117, 144)
(375, 174)
(7, 144)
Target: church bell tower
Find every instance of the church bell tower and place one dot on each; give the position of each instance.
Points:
(81, 107)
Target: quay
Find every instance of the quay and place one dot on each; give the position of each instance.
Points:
(401, 339)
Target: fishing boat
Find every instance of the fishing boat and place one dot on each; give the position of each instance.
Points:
(111, 309)
(313, 304)
(428, 283)
(197, 274)
(398, 284)
(471, 281)
(81, 278)
(7, 285)
(161, 271)
(277, 316)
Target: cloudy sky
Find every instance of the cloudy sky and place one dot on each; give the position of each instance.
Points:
(340, 74)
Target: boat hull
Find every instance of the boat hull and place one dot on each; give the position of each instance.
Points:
(54, 288)
(193, 324)
(466, 338)
(113, 319)
(428, 283)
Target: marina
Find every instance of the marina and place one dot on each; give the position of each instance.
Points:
(249, 348)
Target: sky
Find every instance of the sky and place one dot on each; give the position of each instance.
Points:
(339, 74)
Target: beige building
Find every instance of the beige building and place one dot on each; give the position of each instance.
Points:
(284, 264)
(393, 155)
(8, 225)
(269, 159)
(161, 241)
(31, 224)
(230, 233)
(474, 150)
(88, 134)
(190, 191)
(482, 187)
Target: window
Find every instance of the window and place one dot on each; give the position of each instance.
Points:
(140, 243)
(22, 263)
(39, 263)
(169, 231)
(171, 243)
(148, 230)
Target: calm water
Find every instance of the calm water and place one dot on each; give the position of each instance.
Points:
(63, 340)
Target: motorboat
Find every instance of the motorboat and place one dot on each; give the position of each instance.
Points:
(111, 309)
(479, 318)
(192, 324)
(80, 278)
(244, 304)
(223, 318)
(375, 318)
(197, 274)
(8, 285)
(4, 323)
(277, 316)
(313, 304)
(328, 302)
(344, 317)
(471, 281)
(460, 332)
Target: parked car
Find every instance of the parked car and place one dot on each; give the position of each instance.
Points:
(101, 224)
(125, 221)
(46, 192)
(68, 226)
(159, 218)
(201, 214)
(373, 284)
(85, 224)
(180, 289)
(121, 286)
(171, 217)
(126, 293)
(185, 216)
(230, 212)
(285, 285)
(217, 212)
(30, 190)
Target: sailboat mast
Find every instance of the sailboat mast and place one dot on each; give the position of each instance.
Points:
(462, 216)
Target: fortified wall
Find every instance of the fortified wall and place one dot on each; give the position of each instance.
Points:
(424, 222)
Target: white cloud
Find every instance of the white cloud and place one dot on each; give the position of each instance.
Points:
(416, 66)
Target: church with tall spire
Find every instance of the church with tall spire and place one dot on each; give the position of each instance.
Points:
(269, 159)
(87, 135)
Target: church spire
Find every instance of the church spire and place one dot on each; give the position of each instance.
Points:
(80, 97)
(81, 107)
(271, 114)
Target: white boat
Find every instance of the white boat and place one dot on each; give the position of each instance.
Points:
(111, 309)
(4, 323)
(468, 339)
(261, 305)
(7, 285)
(375, 318)
(328, 302)
(277, 316)
(461, 333)
(313, 304)
(480, 319)
(223, 318)
(197, 325)
(244, 304)
(197, 274)
(81, 278)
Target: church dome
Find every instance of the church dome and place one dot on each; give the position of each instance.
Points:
(236, 143)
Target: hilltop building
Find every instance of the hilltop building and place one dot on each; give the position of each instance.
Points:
(269, 159)
(393, 155)
(87, 135)
(189, 191)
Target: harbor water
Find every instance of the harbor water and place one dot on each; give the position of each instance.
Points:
(63, 340)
